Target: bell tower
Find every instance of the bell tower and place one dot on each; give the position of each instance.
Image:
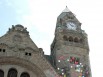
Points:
(70, 50)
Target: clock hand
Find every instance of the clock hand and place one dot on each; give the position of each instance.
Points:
(71, 24)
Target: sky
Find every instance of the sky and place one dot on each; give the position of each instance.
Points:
(39, 16)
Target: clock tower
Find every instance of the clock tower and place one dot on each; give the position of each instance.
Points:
(70, 50)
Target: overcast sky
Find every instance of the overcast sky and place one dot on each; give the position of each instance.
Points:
(39, 16)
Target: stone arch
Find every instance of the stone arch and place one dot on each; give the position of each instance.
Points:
(76, 40)
(23, 63)
(25, 74)
(12, 72)
(1, 73)
(71, 39)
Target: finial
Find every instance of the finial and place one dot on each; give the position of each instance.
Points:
(66, 9)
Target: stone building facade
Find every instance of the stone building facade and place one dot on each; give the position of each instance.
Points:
(20, 57)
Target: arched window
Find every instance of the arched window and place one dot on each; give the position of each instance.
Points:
(71, 39)
(25, 74)
(1, 73)
(12, 73)
(81, 40)
(60, 20)
(65, 38)
(76, 40)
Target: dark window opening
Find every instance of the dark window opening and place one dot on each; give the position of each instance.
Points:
(65, 38)
(1, 73)
(60, 20)
(0, 50)
(76, 40)
(70, 17)
(71, 39)
(12, 73)
(3, 50)
(25, 75)
(26, 53)
(29, 54)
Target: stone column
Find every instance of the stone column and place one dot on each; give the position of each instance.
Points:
(19, 73)
(5, 72)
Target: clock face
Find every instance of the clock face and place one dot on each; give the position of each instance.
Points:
(71, 25)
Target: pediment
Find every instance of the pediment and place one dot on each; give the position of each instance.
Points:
(18, 36)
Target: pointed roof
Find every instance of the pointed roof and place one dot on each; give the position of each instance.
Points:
(64, 12)
(66, 9)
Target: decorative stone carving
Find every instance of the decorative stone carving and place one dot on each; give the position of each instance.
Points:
(17, 39)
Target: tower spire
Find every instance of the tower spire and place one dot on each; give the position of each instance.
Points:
(66, 9)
